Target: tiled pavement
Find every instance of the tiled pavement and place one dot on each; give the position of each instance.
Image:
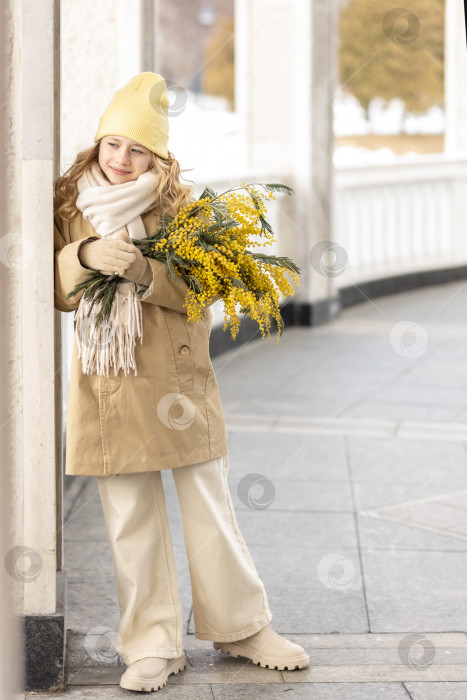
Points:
(356, 518)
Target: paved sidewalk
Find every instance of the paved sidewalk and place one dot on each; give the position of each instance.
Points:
(348, 470)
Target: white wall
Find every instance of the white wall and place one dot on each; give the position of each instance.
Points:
(100, 51)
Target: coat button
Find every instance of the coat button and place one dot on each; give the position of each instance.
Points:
(185, 350)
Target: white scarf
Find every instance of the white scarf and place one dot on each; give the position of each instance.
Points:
(111, 209)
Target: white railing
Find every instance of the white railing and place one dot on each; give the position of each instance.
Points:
(402, 217)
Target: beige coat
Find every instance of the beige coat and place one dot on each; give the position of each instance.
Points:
(169, 414)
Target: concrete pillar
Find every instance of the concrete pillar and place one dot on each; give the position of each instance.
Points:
(26, 254)
(8, 638)
(455, 79)
(285, 81)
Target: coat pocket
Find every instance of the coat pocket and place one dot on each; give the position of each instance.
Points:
(109, 385)
(181, 348)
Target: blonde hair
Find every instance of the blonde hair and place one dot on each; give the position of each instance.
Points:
(170, 195)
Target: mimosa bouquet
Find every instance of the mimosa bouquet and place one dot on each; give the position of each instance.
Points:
(208, 245)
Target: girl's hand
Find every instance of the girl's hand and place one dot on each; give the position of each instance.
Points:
(139, 270)
(116, 256)
(109, 256)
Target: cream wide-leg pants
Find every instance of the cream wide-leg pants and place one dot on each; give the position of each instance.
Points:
(229, 600)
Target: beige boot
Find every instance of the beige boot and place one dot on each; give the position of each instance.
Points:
(268, 649)
(151, 673)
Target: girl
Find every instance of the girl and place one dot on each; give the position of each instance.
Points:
(158, 409)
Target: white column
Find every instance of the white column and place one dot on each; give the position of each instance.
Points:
(8, 642)
(26, 257)
(285, 80)
(35, 303)
(265, 80)
(455, 79)
(28, 556)
(315, 83)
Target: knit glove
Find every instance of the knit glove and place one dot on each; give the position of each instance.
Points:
(139, 270)
(116, 256)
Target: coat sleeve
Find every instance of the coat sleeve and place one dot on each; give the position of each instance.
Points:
(68, 271)
(163, 290)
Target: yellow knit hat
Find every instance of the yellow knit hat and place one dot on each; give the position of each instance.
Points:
(139, 111)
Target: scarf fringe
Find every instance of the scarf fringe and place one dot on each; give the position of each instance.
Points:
(113, 343)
